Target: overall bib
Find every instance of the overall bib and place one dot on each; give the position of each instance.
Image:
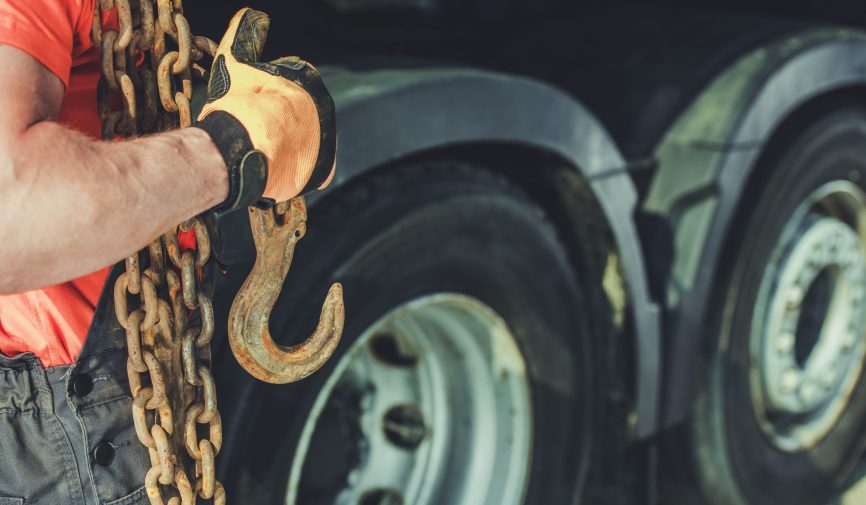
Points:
(66, 432)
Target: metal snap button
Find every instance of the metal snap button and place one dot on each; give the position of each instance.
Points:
(82, 385)
(103, 454)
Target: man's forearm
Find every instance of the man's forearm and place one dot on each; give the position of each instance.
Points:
(71, 205)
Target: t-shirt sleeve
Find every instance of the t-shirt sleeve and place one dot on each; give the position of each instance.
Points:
(45, 29)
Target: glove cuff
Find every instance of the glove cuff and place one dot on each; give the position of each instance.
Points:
(247, 167)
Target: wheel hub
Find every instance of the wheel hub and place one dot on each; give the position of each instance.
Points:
(808, 332)
(441, 413)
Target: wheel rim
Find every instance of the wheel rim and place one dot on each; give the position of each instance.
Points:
(430, 405)
(807, 334)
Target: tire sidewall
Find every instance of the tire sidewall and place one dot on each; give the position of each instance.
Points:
(448, 229)
(747, 467)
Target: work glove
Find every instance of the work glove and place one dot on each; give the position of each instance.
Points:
(272, 122)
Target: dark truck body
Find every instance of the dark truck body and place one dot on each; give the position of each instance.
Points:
(661, 107)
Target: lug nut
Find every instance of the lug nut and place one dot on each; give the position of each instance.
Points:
(807, 392)
(795, 297)
(790, 380)
(847, 343)
(785, 342)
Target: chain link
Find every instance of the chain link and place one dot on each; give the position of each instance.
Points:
(174, 407)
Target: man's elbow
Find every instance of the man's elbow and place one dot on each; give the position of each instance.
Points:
(11, 278)
(11, 182)
(7, 165)
(11, 288)
(12, 258)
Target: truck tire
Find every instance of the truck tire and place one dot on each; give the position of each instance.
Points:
(465, 372)
(780, 411)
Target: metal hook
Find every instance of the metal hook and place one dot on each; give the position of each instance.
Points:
(276, 231)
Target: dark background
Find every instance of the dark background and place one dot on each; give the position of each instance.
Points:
(471, 30)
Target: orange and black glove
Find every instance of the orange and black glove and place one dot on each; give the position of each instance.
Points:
(272, 122)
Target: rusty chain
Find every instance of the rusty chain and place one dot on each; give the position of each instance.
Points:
(150, 62)
(169, 330)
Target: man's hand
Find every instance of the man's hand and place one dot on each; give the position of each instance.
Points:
(280, 108)
(70, 205)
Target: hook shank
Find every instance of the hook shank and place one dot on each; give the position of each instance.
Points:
(276, 231)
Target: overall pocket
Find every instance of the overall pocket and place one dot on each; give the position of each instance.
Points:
(117, 460)
(36, 459)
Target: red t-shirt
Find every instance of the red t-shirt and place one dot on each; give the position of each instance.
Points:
(53, 322)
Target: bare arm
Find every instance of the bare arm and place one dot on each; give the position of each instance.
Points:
(70, 205)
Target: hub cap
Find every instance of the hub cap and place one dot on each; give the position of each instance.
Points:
(807, 343)
(430, 405)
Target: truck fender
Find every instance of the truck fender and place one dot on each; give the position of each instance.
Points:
(385, 115)
(705, 160)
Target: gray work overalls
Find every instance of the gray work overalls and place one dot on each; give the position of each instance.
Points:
(66, 432)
